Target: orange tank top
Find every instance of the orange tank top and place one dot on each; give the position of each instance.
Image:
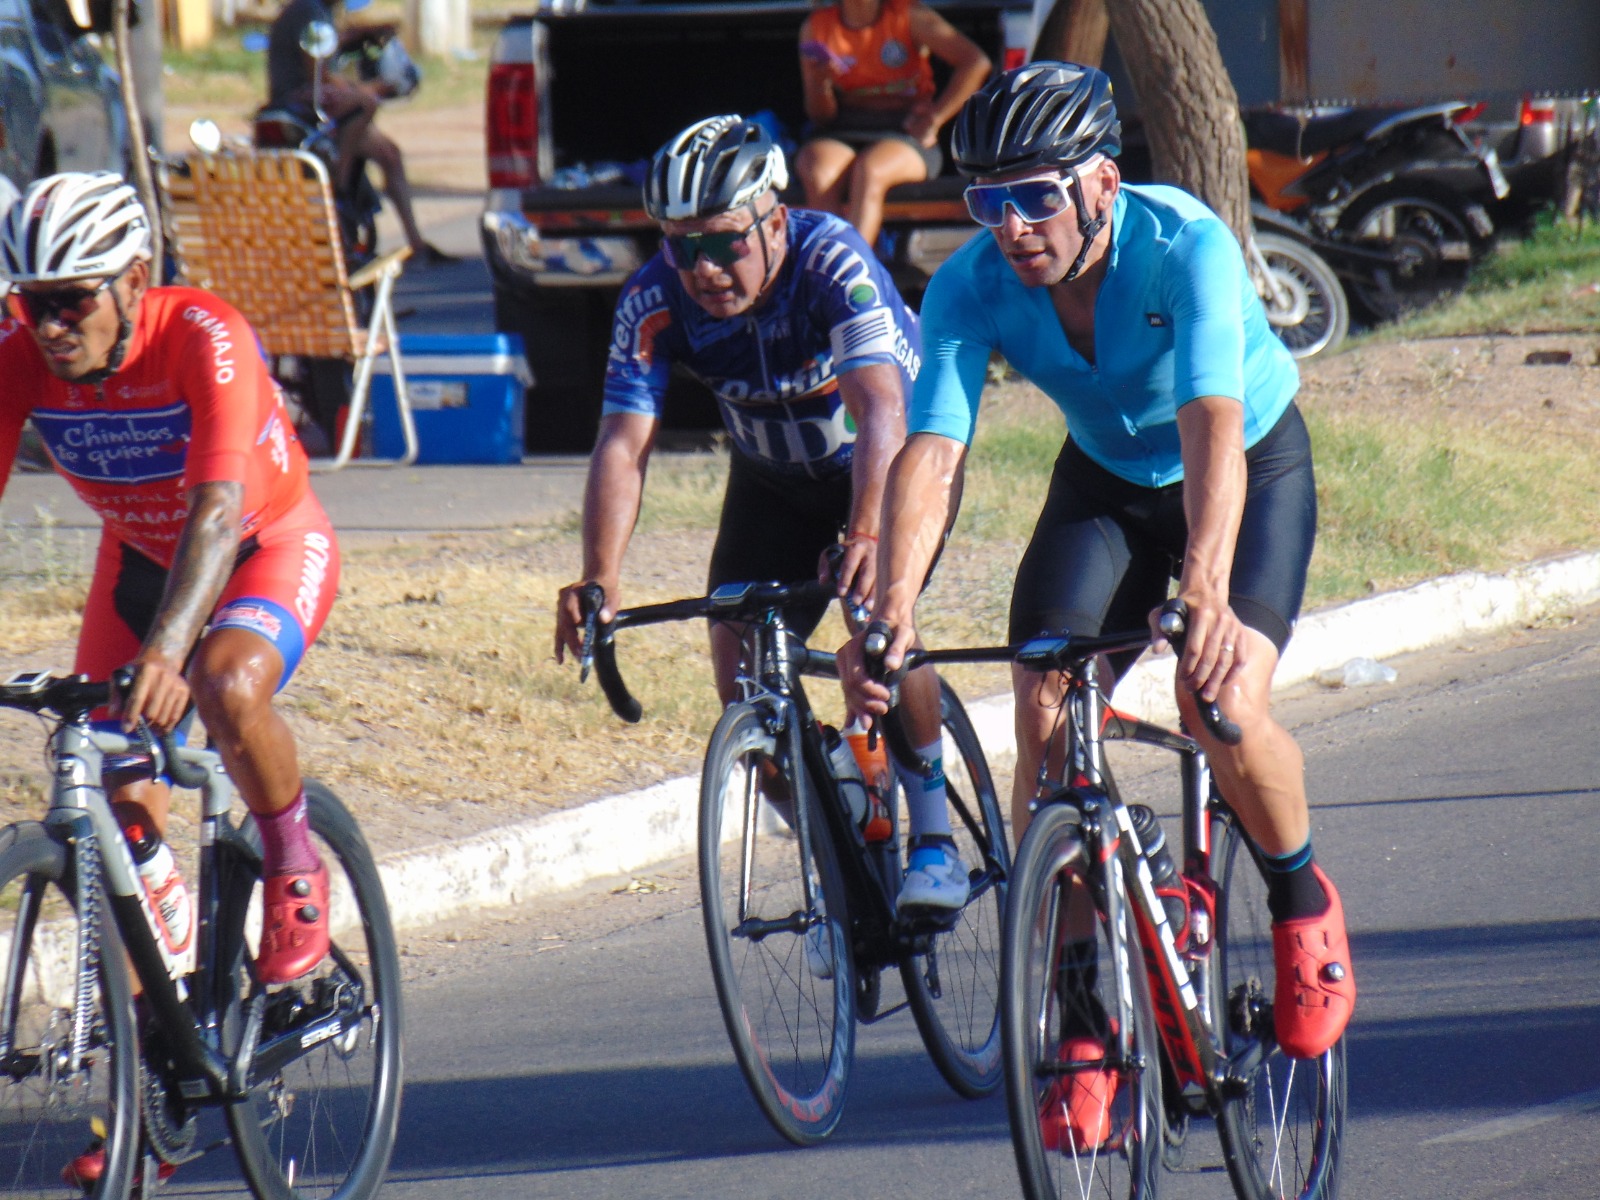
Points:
(885, 66)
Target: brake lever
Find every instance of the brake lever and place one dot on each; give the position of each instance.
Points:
(591, 597)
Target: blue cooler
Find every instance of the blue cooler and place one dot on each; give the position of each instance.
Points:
(466, 396)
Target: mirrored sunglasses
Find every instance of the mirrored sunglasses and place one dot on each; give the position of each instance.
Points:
(723, 248)
(1034, 200)
(68, 305)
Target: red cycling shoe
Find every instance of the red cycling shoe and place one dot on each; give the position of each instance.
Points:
(85, 1170)
(1075, 1114)
(294, 926)
(1316, 987)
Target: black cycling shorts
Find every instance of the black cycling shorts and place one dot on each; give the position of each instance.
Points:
(774, 529)
(1105, 550)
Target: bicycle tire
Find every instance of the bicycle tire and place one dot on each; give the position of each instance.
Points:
(1041, 1004)
(1282, 1137)
(792, 1030)
(45, 1122)
(324, 1126)
(954, 989)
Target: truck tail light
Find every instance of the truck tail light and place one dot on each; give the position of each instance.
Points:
(1537, 111)
(512, 126)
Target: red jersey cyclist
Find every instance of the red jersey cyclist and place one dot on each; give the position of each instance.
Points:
(216, 566)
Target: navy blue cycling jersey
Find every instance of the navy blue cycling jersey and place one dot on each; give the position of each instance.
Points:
(774, 370)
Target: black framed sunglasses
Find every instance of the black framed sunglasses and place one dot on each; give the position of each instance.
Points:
(68, 305)
(724, 247)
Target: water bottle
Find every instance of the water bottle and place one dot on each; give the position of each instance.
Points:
(848, 774)
(874, 763)
(169, 907)
(1170, 888)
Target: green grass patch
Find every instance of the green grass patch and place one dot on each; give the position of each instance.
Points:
(1544, 283)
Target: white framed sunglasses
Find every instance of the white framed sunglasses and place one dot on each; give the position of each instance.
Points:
(1034, 200)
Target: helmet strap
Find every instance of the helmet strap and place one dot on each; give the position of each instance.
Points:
(769, 268)
(1089, 229)
(120, 350)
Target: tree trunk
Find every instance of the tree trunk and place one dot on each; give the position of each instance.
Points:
(138, 144)
(1190, 110)
(1075, 31)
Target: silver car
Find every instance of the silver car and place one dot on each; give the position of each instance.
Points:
(60, 109)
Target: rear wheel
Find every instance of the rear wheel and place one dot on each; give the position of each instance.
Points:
(783, 970)
(323, 1123)
(51, 1108)
(1431, 245)
(954, 988)
(1074, 996)
(1282, 1128)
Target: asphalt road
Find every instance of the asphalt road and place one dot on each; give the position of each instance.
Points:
(574, 1049)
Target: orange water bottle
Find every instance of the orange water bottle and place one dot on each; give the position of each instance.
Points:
(874, 763)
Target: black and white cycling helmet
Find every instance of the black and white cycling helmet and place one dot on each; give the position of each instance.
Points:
(73, 226)
(1044, 114)
(713, 167)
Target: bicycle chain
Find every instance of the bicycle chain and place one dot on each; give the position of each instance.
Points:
(173, 1143)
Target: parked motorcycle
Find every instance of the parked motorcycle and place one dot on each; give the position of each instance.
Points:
(1397, 202)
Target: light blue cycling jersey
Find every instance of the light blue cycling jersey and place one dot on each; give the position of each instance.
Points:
(1176, 318)
(775, 369)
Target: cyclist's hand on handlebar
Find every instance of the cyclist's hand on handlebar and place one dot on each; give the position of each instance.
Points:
(856, 576)
(570, 614)
(159, 694)
(1215, 650)
(863, 692)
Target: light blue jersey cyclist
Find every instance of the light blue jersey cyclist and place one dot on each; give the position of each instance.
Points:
(1178, 318)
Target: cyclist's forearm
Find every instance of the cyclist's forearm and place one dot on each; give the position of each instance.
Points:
(1215, 477)
(611, 503)
(205, 558)
(916, 509)
(874, 398)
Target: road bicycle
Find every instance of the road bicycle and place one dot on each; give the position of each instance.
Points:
(799, 906)
(306, 1076)
(1159, 994)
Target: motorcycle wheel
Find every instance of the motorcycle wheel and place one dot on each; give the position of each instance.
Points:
(1431, 243)
(1305, 304)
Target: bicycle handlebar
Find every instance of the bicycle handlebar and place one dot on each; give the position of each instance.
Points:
(72, 697)
(733, 602)
(1066, 653)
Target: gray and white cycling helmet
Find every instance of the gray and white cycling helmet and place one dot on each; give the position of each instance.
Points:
(1043, 115)
(73, 226)
(713, 167)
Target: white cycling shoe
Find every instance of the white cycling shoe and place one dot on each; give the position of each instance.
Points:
(941, 886)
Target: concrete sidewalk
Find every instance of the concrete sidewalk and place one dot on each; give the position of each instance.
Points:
(617, 835)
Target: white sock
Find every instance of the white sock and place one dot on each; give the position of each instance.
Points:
(927, 807)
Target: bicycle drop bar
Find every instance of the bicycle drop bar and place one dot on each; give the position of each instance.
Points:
(737, 603)
(1067, 652)
(73, 697)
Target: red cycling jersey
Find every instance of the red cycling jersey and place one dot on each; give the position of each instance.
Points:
(192, 403)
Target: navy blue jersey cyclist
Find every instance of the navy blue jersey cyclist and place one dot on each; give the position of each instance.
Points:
(1186, 459)
(799, 333)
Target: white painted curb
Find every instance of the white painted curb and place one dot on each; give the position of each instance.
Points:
(621, 834)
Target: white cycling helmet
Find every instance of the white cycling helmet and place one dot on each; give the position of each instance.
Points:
(73, 226)
(713, 167)
(8, 197)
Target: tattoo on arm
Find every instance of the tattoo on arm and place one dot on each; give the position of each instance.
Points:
(205, 558)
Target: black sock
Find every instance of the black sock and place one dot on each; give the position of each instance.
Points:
(1292, 886)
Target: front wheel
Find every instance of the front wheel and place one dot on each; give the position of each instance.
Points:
(52, 1109)
(1282, 1127)
(323, 1123)
(1306, 306)
(783, 968)
(954, 985)
(1083, 1080)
